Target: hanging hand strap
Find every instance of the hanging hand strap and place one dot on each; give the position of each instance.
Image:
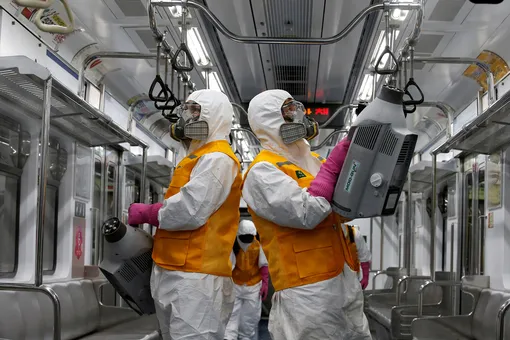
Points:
(56, 29)
(34, 3)
(162, 95)
(412, 83)
(183, 48)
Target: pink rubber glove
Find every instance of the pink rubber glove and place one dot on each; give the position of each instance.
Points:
(264, 272)
(139, 213)
(365, 267)
(325, 181)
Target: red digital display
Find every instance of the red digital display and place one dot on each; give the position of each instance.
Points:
(318, 111)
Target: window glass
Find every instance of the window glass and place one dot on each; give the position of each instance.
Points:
(132, 188)
(50, 229)
(495, 170)
(111, 194)
(8, 224)
(452, 211)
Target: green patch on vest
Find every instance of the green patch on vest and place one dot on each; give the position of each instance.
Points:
(300, 174)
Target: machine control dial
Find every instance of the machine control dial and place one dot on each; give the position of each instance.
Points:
(376, 180)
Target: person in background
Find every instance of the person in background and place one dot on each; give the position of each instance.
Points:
(287, 190)
(360, 253)
(251, 278)
(191, 281)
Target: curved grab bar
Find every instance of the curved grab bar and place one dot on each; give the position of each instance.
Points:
(283, 40)
(34, 3)
(501, 320)
(438, 283)
(331, 135)
(405, 279)
(175, 64)
(383, 71)
(409, 84)
(336, 113)
(56, 29)
(50, 293)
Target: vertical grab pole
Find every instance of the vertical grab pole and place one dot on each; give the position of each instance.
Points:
(102, 97)
(381, 250)
(371, 239)
(45, 137)
(433, 218)
(407, 227)
(143, 181)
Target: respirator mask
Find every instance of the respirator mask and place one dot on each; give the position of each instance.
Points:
(297, 125)
(189, 126)
(246, 238)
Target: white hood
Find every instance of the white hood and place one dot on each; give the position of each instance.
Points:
(265, 118)
(246, 227)
(217, 111)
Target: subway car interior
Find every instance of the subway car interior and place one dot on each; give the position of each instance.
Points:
(87, 91)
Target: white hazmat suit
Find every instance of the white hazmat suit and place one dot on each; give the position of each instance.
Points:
(195, 305)
(248, 304)
(331, 309)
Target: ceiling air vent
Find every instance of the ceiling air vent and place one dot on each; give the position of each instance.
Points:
(132, 8)
(291, 79)
(446, 10)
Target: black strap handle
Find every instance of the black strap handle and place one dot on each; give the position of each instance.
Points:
(409, 84)
(162, 96)
(407, 103)
(170, 103)
(175, 64)
(393, 70)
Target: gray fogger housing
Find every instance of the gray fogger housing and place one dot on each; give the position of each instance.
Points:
(127, 264)
(378, 159)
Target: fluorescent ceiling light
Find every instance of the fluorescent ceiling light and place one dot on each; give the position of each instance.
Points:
(214, 82)
(400, 14)
(175, 11)
(197, 47)
(365, 91)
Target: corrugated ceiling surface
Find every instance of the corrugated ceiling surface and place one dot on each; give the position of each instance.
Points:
(290, 63)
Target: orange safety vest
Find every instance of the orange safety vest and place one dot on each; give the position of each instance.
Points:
(246, 271)
(206, 249)
(299, 257)
(351, 245)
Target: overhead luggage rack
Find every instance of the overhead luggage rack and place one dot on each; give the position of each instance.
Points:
(421, 173)
(485, 134)
(22, 86)
(159, 169)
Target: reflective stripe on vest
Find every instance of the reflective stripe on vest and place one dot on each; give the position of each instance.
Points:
(246, 271)
(298, 257)
(206, 249)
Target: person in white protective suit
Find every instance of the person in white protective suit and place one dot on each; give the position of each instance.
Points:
(191, 282)
(317, 296)
(360, 253)
(251, 278)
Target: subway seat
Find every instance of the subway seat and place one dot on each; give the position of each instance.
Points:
(29, 315)
(480, 325)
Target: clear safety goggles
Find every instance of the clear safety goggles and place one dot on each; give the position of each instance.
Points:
(293, 111)
(190, 112)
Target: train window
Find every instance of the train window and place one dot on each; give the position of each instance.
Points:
(132, 188)
(495, 170)
(50, 229)
(452, 209)
(9, 203)
(93, 95)
(111, 202)
(82, 172)
(96, 208)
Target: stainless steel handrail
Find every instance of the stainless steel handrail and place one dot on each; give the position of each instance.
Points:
(473, 61)
(438, 283)
(46, 291)
(331, 135)
(500, 331)
(379, 272)
(108, 55)
(447, 110)
(336, 113)
(282, 40)
(405, 279)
